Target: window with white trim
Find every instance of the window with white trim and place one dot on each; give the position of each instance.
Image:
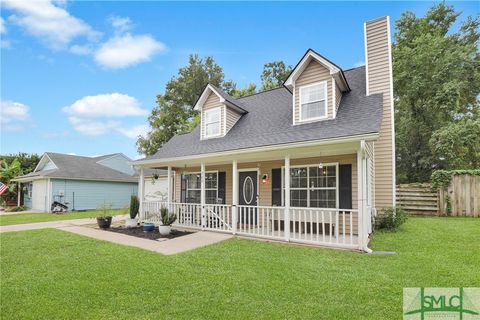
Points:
(313, 101)
(194, 186)
(212, 122)
(313, 186)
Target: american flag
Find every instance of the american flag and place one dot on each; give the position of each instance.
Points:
(3, 188)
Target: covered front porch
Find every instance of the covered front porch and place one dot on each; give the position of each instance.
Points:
(320, 195)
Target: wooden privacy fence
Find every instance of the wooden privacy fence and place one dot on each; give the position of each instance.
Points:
(461, 198)
(417, 199)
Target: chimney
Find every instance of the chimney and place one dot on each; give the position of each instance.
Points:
(378, 60)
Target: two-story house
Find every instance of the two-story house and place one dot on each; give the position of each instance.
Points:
(309, 162)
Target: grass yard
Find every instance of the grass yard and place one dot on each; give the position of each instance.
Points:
(50, 274)
(44, 217)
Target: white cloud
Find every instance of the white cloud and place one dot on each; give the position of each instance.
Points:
(97, 115)
(48, 21)
(106, 105)
(120, 24)
(134, 132)
(122, 51)
(3, 29)
(13, 115)
(92, 128)
(81, 50)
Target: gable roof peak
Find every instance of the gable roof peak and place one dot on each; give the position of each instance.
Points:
(224, 98)
(310, 55)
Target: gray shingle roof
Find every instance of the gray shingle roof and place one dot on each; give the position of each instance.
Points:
(79, 167)
(269, 122)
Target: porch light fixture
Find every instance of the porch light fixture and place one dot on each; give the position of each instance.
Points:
(264, 178)
(320, 165)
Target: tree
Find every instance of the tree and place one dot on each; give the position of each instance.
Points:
(173, 112)
(28, 161)
(274, 74)
(250, 89)
(436, 83)
(457, 145)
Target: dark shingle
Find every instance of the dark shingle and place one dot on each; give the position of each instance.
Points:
(269, 122)
(79, 167)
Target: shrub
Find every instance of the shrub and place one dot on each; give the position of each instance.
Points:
(16, 209)
(391, 218)
(167, 218)
(134, 206)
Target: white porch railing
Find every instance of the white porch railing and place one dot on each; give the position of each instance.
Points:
(318, 226)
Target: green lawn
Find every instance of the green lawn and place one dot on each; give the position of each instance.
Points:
(51, 274)
(43, 217)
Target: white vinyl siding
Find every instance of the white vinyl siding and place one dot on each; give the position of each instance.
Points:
(313, 101)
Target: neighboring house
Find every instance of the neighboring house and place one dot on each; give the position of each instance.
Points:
(79, 182)
(309, 162)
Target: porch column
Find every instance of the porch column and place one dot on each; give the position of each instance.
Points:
(234, 196)
(19, 193)
(169, 188)
(202, 194)
(361, 187)
(140, 193)
(286, 220)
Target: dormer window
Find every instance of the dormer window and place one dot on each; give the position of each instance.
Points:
(313, 101)
(212, 122)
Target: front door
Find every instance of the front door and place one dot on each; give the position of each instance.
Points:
(248, 196)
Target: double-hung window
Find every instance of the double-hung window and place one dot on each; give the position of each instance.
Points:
(313, 101)
(212, 122)
(193, 187)
(313, 186)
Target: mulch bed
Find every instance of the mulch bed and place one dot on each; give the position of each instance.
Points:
(154, 235)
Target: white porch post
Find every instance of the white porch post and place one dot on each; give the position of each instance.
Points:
(19, 193)
(169, 188)
(202, 194)
(234, 196)
(140, 194)
(287, 198)
(362, 190)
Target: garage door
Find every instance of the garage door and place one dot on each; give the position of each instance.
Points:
(156, 191)
(39, 194)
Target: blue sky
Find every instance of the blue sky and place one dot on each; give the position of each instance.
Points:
(81, 77)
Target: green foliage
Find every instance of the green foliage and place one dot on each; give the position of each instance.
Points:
(391, 218)
(104, 210)
(274, 74)
(457, 145)
(436, 85)
(167, 217)
(247, 91)
(441, 178)
(16, 209)
(174, 110)
(134, 206)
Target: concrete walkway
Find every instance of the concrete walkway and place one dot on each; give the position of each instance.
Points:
(53, 224)
(167, 247)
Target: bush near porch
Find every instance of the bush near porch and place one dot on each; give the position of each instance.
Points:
(61, 275)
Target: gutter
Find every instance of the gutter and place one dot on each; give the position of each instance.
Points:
(371, 136)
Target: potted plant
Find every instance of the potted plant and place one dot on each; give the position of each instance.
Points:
(134, 206)
(105, 220)
(167, 220)
(148, 227)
